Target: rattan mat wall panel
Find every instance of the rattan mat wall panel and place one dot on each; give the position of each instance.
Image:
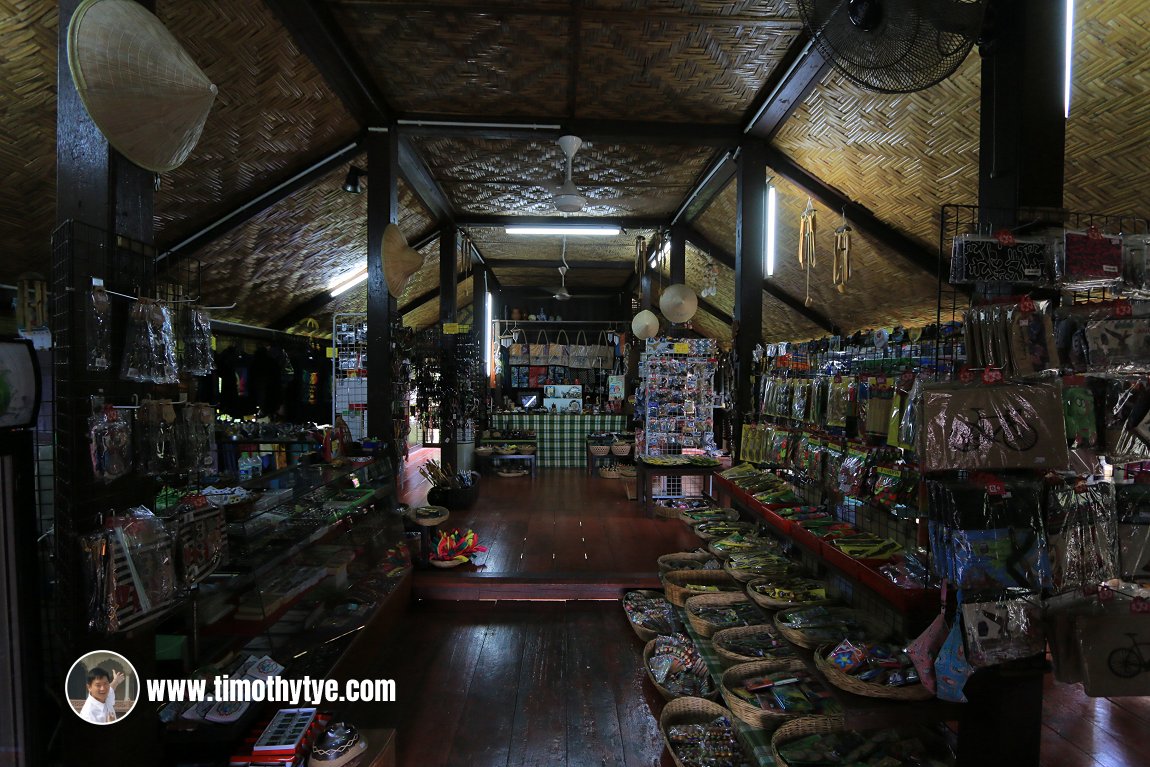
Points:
(901, 156)
(717, 223)
(28, 39)
(465, 61)
(598, 279)
(1107, 154)
(274, 113)
(428, 313)
(710, 325)
(697, 279)
(496, 245)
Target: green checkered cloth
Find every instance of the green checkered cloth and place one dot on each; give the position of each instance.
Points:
(756, 742)
(562, 438)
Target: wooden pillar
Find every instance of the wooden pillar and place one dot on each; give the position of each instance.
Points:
(1023, 126)
(382, 209)
(449, 372)
(678, 255)
(750, 231)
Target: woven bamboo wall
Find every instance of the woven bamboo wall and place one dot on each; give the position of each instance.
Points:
(484, 176)
(28, 32)
(673, 61)
(274, 113)
(428, 314)
(717, 222)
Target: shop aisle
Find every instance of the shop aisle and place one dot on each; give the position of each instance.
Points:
(560, 683)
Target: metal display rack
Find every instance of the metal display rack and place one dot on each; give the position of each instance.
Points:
(677, 394)
(349, 371)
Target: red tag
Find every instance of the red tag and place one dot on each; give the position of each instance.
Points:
(1005, 237)
(1093, 233)
(991, 375)
(995, 488)
(1123, 309)
(966, 375)
(1105, 593)
(1140, 605)
(1027, 305)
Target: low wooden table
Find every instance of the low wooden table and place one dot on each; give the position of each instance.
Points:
(529, 459)
(645, 477)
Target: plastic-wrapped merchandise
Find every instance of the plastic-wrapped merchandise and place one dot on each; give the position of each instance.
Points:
(908, 427)
(99, 327)
(1082, 534)
(1114, 648)
(1089, 259)
(987, 533)
(778, 450)
(820, 391)
(975, 258)
(1118, 344)
(150, 348)
(853, 473)
(878, 392)
(1078, 413)
(838, 404)
(1136, 263)
(1133, 512)
(198, 358)
(1001, 631)
(143, 543)
(1018, 338)
(1018, 425)
(800, 396)
(99, 579)
(110, 443)
(156, 438)
(196, 438)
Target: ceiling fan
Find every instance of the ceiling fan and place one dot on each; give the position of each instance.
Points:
(561, 293)
(567, 198)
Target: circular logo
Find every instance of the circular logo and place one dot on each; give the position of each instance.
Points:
(102, 686)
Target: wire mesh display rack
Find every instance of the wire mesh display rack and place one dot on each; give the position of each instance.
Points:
(349, 371)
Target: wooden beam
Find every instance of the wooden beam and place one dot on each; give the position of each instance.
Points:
(543, 263)
(423, 299)
(382, 210)
(861, 218)
(449, 416)
(422, 182)
(550, 128)
(501, 220)
(801, 71)
(245, 211)
(713, 180)
(700, 241)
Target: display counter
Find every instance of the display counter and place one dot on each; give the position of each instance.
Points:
(562, 438)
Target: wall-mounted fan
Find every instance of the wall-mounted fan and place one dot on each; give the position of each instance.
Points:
(894, 46)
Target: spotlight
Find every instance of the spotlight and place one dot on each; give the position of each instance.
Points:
(351, 182)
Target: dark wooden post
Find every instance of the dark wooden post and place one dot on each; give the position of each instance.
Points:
(382, 209)
(678, 255)
(751, 224)
(449, 371)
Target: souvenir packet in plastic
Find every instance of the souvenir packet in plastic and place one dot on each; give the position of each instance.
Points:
(1090, 258)
(1082, 534)
(1001, 631)
(1133, 512)
(976, 258)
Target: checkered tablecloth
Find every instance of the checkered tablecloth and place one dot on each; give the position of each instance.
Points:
(562, 438)
(756, 741)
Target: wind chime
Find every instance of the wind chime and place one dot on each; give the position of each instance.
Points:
(842, 257)
(711, 276)
(807, 245)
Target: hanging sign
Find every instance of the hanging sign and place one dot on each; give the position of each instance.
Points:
(455, 328)
(682, 348)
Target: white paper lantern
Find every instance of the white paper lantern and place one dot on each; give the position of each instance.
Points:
(645, 324)
(678, 303)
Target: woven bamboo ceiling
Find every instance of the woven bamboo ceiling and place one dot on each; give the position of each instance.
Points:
(660, 90)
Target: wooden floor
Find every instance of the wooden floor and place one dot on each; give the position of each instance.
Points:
(490, 680)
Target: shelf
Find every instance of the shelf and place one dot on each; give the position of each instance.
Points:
(858, 571)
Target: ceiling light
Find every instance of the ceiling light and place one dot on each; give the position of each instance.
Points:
(346, 282)
(351, 182)
(600, 231)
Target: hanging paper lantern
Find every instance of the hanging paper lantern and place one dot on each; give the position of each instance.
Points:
(645, 324)
(678, 303)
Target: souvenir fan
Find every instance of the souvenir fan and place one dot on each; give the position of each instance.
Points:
(140, 86)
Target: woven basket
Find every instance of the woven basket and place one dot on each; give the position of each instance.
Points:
(527, 450)
(729, 515)
(743, 527)
(506, 450)
(729, 658)
(675, 583)
(721, 554)
(767, 603)
(643, 633)
(599, 450)
(689, 711)
(648, 651)
(845, 681)
(446, 563)
(705, 628)
(606, 473)
(666, 562)
(800, 728)
(666, 512)
(621, 449)
(746, 575)
(748, 712)
(484, 451)
(800, 637)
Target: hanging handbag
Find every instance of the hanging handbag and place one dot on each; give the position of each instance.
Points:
(557, 351)
(924, 650)
(539, 350)
(519, 354)
(579, 352)
(603, 354)
(951, 669)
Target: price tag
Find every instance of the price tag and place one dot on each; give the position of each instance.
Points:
(966, 375)
(991, 376)
(1005, 237)
(682, 348)
(1123, 309)
(451, 328)
(1140, 606)
(330, 352)
(1027, 305)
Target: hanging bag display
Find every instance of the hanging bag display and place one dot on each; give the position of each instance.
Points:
(558, 353)
(1001, 631)
(924, 650)
(603, 354)
(539, 351)
(579, 356)
(519, 353)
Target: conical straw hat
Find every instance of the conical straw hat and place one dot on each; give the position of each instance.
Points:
(140, 86)
(399, 260)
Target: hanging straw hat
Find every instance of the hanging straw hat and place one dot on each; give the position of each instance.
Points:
(645, 324)
(399, 260)
(140, 86)
(678, 303)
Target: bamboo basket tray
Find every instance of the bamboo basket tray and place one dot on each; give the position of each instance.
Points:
(643, 632)
(800, 728)
(730, 658)
(608, 473)
(675, 584)
(705, 628)
(666, 512)
(689, 711)
(769, 603)
(621, 449)
(803, 638)
(748, 712)
(738, 527)
(729, 515)
(845, 681)
(667, 561)
(648, 651)
(783, 569)
(599, 450)
(722, 553)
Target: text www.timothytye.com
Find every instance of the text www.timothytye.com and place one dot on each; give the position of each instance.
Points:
(274, 689)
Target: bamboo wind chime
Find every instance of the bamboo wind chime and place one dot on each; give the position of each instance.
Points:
(807, 245)
(842, 257)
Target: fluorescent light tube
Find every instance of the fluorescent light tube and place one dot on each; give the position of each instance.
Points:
(600, 231)
(346, 282)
